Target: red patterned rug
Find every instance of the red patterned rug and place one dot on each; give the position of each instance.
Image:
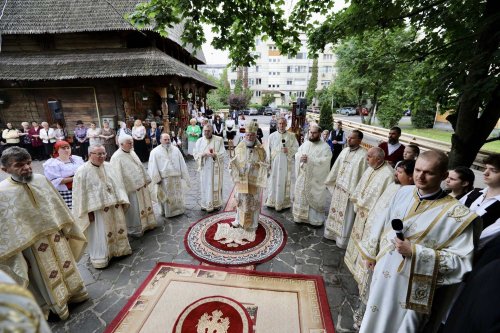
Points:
(211, 240)
(178, 298)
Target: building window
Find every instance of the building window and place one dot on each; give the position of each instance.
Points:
(327, 56)
(326, 69)
(289, 69)
(256, 69)
(257, 93)
(289, 82)
(269, 86)
(301, 55)
(272, 47)
(257, 41)
(233, 82)
(325, 83)
(300, 94)
(251, 82)
(270, 73)
(258, 81)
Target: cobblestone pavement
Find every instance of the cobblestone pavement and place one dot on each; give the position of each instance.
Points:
(306, 252)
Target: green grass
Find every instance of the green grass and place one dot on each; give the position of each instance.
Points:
(445, 136)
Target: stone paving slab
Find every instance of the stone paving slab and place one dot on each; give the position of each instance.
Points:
(306, 252)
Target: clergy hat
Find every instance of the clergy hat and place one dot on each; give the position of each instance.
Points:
(252, 127)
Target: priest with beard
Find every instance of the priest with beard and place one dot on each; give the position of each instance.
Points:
(99, 204)
(312, 164)
(249, 173)
(170, 177)
(281, 149)
(209, 154)
(140, 215)
(40, 243)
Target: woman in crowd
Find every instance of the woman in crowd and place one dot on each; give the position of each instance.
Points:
(193, 132)
(61, 168)
(460, 181)
(139, 135)
(25, 139)
(108, 139)
(11, 136)
(81, 141)
(153, 134)
(48, 138)
(411, 152)
(60, 133)
(218, 126)
(93, 134)
(241, 125)
(36, 142)
(123, 129)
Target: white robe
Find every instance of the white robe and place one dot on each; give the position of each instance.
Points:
(402, 290)
(140, 215)
(309, 201)
(278, 190)
(211, 171)
(170, 178)
(100, 190)
(341, 182)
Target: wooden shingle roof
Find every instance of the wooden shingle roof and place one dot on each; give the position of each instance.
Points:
(91, 64)
(67, 16)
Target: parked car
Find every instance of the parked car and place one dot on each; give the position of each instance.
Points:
(245, 112)
(253, 112)
(268, 111)
(347, 111)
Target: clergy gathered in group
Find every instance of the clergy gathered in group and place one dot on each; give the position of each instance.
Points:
(408, 243)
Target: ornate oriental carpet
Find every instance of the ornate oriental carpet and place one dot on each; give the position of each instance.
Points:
(211, 240)
(178, 298)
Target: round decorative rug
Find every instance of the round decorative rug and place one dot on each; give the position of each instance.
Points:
(213, 241)
(214, 314)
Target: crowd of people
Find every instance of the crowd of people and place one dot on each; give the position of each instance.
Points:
(418, 237)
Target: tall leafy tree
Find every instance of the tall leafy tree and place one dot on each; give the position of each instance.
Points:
(223, 88)
(313, 82)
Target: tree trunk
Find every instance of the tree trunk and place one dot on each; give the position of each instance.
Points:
(470, 131)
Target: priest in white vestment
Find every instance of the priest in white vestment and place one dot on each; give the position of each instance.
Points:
(341, 182)
(140, 215)
(361, 236)
(170, 177)
(40, 243)
(209, 154)
(99, 204)
(436, 251)
(281, 149)
(248, 170)
(312, 163)
(370, 187)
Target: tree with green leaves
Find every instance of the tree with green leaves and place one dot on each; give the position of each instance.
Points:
(223, 87)
(267, 99)
(457, 39)
(313, 82)
(325, 117)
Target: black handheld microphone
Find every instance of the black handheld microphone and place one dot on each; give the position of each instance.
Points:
(283, 142)
(397, 226)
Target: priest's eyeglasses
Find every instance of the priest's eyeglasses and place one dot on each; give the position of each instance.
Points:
(99, 154)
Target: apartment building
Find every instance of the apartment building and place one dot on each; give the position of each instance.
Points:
(285, 77)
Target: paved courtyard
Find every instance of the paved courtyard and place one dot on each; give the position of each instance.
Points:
(306, 252)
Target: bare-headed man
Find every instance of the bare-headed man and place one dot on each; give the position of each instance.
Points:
(209, 153)
(170, 175)
(312, 164)
(40, 242)
(99, 201)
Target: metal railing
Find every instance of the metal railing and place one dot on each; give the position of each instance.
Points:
(380, 134)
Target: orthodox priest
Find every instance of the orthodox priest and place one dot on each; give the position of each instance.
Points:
(209, 153)
(436, 251)
(281, 148)
(341, 182)
(40, 242)
(99, 204)
(248, 170)
(312, 163)
(170, 177)
(140, 215)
